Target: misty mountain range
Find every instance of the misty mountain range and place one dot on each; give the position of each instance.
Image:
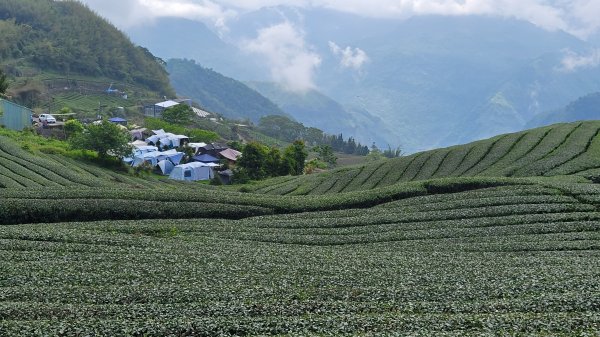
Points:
(421, 83)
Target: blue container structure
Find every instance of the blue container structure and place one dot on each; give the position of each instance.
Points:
(14, 116)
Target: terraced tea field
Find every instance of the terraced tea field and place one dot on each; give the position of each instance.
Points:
(508, 252)
(23, 169)
(561, 149)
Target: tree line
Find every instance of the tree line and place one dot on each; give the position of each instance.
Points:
(286, 129)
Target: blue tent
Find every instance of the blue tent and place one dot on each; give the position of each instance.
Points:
(205, 158)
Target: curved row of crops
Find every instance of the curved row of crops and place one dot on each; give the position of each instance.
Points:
(22, 169)
(395, 252)
(561, 149)
(451, 259)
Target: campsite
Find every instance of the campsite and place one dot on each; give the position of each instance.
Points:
(262, 168)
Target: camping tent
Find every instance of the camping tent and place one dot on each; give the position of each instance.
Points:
(206, 158)
(193, 171)
(155, 156)
(166, 166)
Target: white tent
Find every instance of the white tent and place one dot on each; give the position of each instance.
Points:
(155, 156)
(193, 171)
(166, 166)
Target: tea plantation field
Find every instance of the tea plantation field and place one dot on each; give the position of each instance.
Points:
(560, 149)
(483, 250)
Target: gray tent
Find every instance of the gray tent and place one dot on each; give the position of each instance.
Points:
(193, 171)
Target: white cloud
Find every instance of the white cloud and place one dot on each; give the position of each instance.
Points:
(579, 17)
(573, 61)
(349, 58)
(291, 61)
(128, 13)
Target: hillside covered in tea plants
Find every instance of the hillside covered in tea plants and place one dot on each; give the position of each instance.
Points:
(495, 237)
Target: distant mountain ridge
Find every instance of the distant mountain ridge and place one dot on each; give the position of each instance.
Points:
(583, 108)
(430, 81)
(218, 93)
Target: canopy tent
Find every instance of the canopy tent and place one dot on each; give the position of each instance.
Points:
(159, 132)
(176, 140)
(206, 158)
(230, 154)
(155, 156)
(193, 171)
(167, 139)
(166, 166)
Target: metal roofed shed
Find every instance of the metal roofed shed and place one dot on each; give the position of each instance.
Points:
(166, 104)
(230, 154)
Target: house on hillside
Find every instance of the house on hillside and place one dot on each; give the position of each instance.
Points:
(155, 110)
(14, 116)
(230, 155)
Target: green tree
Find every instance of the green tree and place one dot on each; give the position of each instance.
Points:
(252, 162)
(295, 156)
(392, 153)
(3, 83)
(73, 127)
(325, 154)
(105, 138)
(180, 114)
(374, 154)
(275, 165)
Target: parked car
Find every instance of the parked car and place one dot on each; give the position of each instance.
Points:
(48, 118)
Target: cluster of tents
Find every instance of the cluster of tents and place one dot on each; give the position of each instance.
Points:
(169, 161)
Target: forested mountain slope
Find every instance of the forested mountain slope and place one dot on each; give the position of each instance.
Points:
(66, 37)
(218, 93)
(584, 108)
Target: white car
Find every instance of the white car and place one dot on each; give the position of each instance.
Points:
(48, 118)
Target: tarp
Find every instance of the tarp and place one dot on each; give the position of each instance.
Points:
(206, 158)
(153, 139)
(138, 143)
(196, 145)
(117, 120)
(166, 139)
(192, 172)
(176, 140)
(166, 166)
(145, 149)
(155, 156)
(230, 154)
(137, 133)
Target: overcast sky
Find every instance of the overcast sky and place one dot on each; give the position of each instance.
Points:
(293, 63)
(579, 17)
